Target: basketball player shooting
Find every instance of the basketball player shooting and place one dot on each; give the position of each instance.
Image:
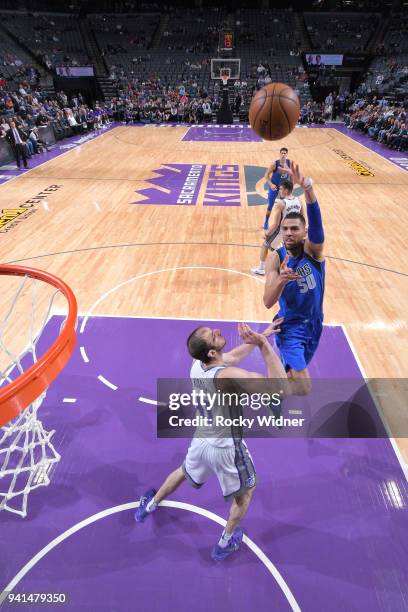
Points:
(224, 453)
(295, 276)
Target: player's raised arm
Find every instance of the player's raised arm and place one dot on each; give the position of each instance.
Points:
(275, 379)
(237, 354)
(315, 241)
(278, 275)
(275, 218)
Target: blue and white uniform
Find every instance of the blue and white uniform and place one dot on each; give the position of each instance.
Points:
(276, 179)
(301, 305)
(217, 450)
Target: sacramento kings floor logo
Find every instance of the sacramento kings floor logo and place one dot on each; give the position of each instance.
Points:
(180, 185)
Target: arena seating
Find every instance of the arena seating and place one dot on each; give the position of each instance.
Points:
(340, 32)
(396, 37)
(387, 75)
(172, 48)
(56, 39)
(12, 59)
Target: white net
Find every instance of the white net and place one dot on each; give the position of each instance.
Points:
(225, 75)
(26, 451)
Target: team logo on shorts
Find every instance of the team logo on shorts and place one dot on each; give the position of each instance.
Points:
(250, 482)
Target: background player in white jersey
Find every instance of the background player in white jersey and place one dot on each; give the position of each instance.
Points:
(275, 174)
(227, 457)
(285, 204)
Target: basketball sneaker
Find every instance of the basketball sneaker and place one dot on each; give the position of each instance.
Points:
(141, 513)
(260, 271)
(219, 553)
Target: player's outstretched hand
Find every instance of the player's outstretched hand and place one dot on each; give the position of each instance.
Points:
(249, 336)
(273, 328)
(295, 173)
(287, 274)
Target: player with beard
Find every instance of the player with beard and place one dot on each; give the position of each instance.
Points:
(221, 450)
(295, 276)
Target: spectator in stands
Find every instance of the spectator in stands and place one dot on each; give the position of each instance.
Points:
(38, 144)
(17, 139)
(72, 122)
(387, 124)
(42, 118)
(388, 128)
(4, 126)
(207, 110)
(401, 141)
(261, 70)
(391, 134)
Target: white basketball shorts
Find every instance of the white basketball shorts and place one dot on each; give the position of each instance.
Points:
(233, 466)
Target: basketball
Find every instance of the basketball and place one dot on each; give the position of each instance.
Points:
(274, 111)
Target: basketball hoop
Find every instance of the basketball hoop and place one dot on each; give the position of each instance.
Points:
(26, 451)
(225, 74)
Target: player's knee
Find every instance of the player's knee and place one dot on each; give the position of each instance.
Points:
(303, 386)
(300, 382)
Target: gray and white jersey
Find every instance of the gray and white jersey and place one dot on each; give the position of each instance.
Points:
(291, 205)
(203, 378)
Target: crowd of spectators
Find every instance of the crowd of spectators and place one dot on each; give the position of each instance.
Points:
(29, 108)
(385, 74)
(149, 102)
(183, 97)
(153, 101)
(380, 120)
(331, 108)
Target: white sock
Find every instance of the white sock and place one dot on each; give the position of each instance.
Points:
(262, 265)
(224, 539)
(151, 506)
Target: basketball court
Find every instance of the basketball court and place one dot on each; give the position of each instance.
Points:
(155, 230)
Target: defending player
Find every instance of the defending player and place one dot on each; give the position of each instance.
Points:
(225, 453)
(285, 204)
(295, 277)
(276, 173)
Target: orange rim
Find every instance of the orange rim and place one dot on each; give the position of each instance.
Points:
(19, 394)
